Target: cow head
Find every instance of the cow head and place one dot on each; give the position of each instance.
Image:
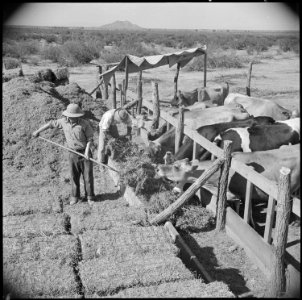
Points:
(153, 149)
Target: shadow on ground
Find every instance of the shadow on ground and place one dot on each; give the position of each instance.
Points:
(207, 257)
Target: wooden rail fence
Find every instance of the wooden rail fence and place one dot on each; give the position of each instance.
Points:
(259, 248)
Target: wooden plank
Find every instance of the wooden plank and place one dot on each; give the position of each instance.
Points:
(162, 216)
(195, 145)
(296, 206)
(256, 248)
(177, 239)
(270, 216)
(268, 186)
(248, 202)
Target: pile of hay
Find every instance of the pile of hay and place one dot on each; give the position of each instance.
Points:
(194, 288)
(14, 73)
(134, 241)
(35, 225)
(25, 109)
(194, 218)
(105, 275)
(39, 279)
(110, 214)
(62, 248)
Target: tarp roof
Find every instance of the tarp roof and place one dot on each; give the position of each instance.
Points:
(136, 64)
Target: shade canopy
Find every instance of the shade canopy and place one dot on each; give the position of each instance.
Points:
(136, 64)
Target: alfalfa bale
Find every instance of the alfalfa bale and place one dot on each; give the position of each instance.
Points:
(115, 242)
(102, 217)
(35, 225)
(62, 75)
(42, 278)
(194, 288)
(62, 248)
(106, 275)
(39, 198)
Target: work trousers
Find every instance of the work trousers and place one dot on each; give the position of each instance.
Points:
(79, 165)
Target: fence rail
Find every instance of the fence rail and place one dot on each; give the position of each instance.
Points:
(268, 186)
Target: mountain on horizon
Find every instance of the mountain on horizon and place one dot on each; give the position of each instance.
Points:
(121, 25)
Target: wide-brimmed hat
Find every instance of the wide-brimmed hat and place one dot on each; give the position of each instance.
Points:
(73, 110)
(122, 115)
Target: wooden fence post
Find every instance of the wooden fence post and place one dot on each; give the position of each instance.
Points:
(98, 93)
(205, 70)
(156, 109)
(222, 187)
(277, 282)
(121, 91)
(124, 89)
(139, 93)
(106, 94)
(179, 129)
(126, 80)
(188, 193)
(196, 147)
(270, 217)
(113, 91)
(175, 80)
(248, 83)
(248, 217)
(168, 125)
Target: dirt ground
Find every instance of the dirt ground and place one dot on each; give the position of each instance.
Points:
(35, 174)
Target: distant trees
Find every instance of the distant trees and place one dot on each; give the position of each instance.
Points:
(75, 46)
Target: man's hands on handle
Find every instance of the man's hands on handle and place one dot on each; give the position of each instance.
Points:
(37, 132)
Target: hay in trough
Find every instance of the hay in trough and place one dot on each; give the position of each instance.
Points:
(194, 288)
(35, 225)
(109, 214)
(115, 242)
(194, 218)
(105, 276)
(136, 167)
(62, 248)
(37, 279)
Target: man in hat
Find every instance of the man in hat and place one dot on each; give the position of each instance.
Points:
(79, 135)
(108, 129)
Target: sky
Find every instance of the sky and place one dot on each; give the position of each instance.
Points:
(169, 15)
